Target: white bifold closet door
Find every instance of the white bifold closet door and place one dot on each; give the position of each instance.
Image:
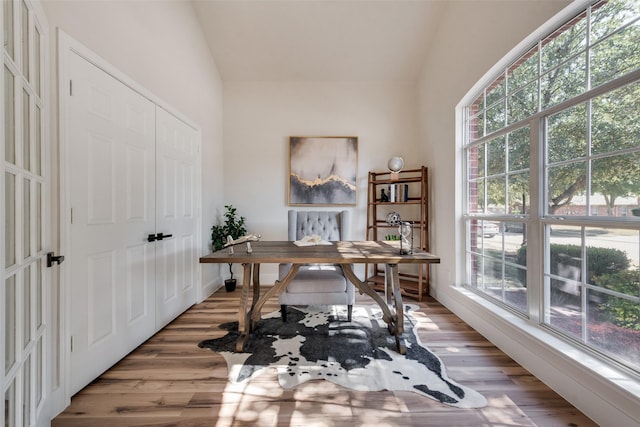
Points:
(133, 218)
(176, 214)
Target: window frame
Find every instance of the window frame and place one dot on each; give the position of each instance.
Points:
(538, 221)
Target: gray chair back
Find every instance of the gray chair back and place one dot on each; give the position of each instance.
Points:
(329, 225)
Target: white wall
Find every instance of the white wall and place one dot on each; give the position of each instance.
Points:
(159, 45)
(259, 118)
(473, 36)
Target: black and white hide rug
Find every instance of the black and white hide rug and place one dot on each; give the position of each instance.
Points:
(319, 343)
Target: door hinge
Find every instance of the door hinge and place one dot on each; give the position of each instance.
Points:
(70, 87)
(71, 216)
(71, 343)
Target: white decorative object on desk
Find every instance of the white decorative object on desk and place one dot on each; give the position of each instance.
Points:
(248, 239)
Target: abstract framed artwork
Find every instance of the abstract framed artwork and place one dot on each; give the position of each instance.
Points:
(322, 170)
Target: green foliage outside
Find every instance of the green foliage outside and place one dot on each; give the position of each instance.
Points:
(607, 268)
(600, 261)
(603, 126)
(513, 277)
(620, 311)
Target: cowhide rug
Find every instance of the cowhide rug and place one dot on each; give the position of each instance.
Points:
(319, 343)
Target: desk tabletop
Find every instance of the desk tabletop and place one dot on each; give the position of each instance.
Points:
(342, 252)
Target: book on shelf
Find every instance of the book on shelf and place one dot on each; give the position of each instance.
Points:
(398, 192)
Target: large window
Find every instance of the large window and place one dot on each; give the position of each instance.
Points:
(552, 173)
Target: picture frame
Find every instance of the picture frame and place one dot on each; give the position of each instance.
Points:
(323, 170)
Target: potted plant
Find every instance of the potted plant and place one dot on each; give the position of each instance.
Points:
(234, 226)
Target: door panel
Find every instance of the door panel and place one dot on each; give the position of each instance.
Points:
(101, 294)
(140, 258)
(111, 144)
(138, 190)
(167, 272)
(100, 186)
(176, 147)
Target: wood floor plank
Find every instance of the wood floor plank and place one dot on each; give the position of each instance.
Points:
(170, 381)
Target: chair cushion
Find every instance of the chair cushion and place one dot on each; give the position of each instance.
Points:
(318, 278)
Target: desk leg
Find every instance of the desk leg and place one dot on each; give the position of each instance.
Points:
(394, 323)
(256, 309)
(394, 277)
(248, 318)
(388, 289)
(244, 311)
(275, 290)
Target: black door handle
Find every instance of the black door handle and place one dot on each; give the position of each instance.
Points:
(159, 236)
(51, 258)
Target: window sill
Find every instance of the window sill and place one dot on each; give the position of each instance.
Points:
(596, 388)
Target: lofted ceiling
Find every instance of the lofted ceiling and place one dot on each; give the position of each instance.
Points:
(319, 40)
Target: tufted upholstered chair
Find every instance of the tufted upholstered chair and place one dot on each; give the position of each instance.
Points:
(317, 284)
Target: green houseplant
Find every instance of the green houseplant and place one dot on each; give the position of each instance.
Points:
(234, 226)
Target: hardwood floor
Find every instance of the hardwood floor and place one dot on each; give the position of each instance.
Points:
(170, 381)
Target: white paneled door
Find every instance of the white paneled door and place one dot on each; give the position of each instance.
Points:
(25, 296)
(111, 146)
(133, 185)
(176, 214)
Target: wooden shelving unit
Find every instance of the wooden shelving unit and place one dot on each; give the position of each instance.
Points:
(413, 205)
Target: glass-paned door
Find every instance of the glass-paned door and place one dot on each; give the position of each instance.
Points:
(24, 185)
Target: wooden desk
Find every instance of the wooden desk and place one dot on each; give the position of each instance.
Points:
(343, 253)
